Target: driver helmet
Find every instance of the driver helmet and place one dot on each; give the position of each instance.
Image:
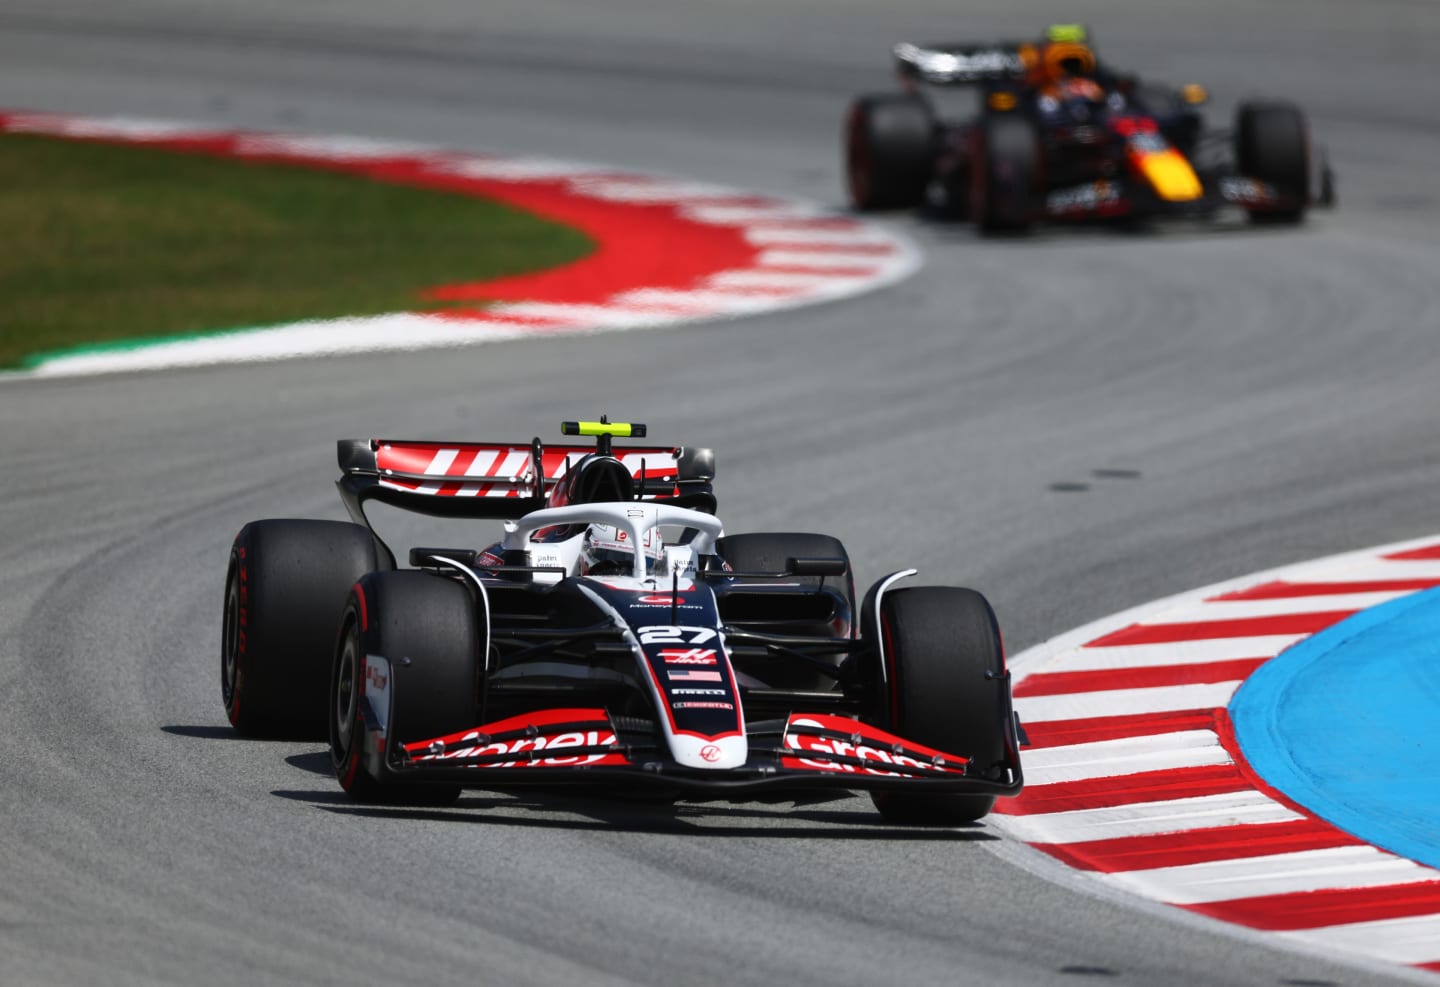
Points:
(609, 551)
(1069, 59)
(593, 479)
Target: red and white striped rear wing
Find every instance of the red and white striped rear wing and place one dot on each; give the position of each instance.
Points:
(501, 479)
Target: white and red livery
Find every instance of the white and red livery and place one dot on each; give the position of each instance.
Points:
(614, 634)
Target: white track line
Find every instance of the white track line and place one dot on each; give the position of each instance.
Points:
(1162, 655)
(1398, 940)
(1242, 609)
(1124, 702)
(1282, 873)
(1131, 755)
(1150, 818)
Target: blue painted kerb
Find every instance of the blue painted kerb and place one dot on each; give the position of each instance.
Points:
(1347, 724)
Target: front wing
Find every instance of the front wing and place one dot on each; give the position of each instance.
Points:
(1125, 196)
(588, 746)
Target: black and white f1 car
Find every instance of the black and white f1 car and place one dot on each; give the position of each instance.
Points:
(1057, 135)
(616, 635)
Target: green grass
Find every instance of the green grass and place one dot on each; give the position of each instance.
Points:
(101, 243)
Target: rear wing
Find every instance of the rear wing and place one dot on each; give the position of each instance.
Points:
(962, 64)
(504, 480)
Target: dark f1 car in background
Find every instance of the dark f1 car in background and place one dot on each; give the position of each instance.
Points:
(1059, 136)
(615, 635)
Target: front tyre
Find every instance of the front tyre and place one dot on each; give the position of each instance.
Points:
(948, 690)
(1271, 145)
(426, 630)
(284, 590)
(1005, 173)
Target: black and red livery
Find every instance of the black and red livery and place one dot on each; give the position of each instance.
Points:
(720, 666)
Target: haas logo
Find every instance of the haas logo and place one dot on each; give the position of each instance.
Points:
(688, 656)
(710, 752)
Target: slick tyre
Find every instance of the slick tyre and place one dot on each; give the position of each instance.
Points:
(1271, 145)
(426, 628)
(284, 591)
(947, 690)
(889, 151)
(1005, 173)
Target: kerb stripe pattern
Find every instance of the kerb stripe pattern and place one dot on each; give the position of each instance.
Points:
(1134, 775)
(669, 250)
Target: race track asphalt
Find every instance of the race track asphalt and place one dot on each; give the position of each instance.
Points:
(1073, 423)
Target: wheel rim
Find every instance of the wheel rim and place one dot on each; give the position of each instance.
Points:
(230, 642)
(347, 700)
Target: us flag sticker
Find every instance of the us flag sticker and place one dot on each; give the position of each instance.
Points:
(693, 676)
(689, 656)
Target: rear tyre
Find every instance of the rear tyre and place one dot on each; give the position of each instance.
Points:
(1005, 173)
(889, 151)
(428, 629)
(770, 551)
(284, 591)
(1271, 145)
(947, 690)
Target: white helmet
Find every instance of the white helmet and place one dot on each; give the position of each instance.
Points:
(609, 551)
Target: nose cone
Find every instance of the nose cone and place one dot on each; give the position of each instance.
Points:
(1169, 174)
(715, 754)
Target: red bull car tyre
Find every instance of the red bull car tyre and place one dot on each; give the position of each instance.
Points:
(1005, 175)
(1271, 145)
(889, 142)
